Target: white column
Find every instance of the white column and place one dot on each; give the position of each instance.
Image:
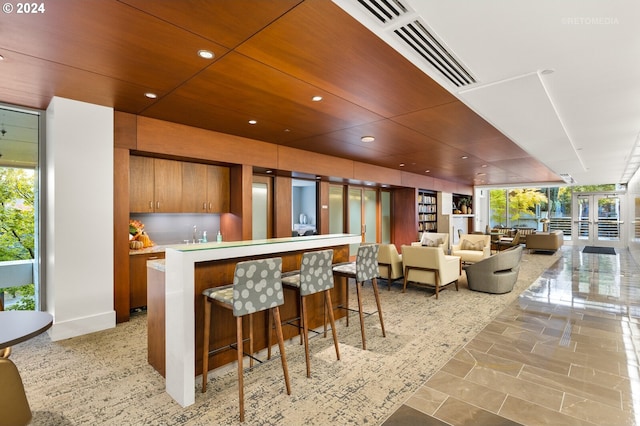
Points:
(79, 217)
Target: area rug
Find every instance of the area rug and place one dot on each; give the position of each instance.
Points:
(599, 250)
(104, 378)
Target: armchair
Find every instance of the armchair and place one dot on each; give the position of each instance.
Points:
(429, 265)
(496, 274)
(389, 263)
(472, 247)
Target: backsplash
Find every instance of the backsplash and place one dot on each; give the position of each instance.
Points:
(175, 228)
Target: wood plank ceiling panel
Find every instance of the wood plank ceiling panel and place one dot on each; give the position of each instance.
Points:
(319, 43)
(252, 90)
(226, 22)
(109, 39)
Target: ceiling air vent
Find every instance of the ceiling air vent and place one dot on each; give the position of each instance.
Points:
(416, 36)
(384, 10)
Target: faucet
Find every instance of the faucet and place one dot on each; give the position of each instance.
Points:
(195, 234)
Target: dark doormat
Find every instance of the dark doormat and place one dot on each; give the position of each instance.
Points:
(599, 250)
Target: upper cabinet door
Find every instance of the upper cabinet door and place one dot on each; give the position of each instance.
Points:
(194, 188)
(168, 186)
(218, 189)
(141, 185)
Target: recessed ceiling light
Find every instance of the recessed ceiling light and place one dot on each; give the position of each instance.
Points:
(484, 165)
(316, 98)
(401, 164)
(151, 95)
(269, 171)
(1, 58)
(205, 54)
(253, 122)
(287, 130)
(481, 174)
(464, 157)
(367, 139)
(427, 171)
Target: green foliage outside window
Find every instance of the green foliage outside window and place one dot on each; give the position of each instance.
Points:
(17, 221)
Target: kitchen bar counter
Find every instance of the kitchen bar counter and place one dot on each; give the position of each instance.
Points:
(191, 268)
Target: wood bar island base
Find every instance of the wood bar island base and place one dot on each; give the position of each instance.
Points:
(175, 304)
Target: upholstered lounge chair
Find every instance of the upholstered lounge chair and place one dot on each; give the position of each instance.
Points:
(472, 247)
(496, 274)
(429, 265)
(389, 263)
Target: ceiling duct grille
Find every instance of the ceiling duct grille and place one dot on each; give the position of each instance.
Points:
(416, 36)
(384, 10)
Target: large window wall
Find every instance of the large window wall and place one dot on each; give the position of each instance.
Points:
(544, 208)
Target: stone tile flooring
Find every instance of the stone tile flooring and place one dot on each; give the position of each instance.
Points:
(566, 352)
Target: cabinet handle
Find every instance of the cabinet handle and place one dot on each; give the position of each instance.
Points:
(150, 205)
(158, 205)
(209, 206)
(152, 257)
(204, 206)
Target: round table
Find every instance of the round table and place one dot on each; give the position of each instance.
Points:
(18, 326)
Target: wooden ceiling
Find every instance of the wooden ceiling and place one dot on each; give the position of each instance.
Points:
(271, 58)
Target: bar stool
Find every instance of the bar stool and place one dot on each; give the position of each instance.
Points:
(257, 286)
(315, 276)
(364, 268)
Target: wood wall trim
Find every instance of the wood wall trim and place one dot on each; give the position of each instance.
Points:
(163, 137)
(298, 160)
(125, 130)
(282, 196)
(369, 172)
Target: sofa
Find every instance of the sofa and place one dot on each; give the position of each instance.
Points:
(545, 241)
(496, 274)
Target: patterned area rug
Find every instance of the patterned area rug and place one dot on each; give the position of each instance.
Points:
(104, 378)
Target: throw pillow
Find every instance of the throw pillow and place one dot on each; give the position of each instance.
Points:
(468, 245)
(430, 243)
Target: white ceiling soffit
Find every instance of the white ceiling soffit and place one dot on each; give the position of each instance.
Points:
(594, 91)
(404, 30)
(520, 108)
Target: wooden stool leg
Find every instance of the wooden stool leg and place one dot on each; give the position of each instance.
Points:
(360, 312)
(305, 333)
(327, 296)
(283, 358)
(346, 299)
(251, 340)
(205, 343)
(269, 333)
(240, 371)
(374, 284)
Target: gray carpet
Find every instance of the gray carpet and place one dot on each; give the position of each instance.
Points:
(104, 378)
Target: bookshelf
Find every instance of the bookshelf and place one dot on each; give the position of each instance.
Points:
(427, 212)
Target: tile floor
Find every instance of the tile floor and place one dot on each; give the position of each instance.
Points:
(567, 352)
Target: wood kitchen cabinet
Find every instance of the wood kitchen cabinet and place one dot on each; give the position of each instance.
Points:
(205, 188)
(155, 185)
(138, 278)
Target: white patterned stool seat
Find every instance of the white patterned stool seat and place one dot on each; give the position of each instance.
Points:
(222, 294)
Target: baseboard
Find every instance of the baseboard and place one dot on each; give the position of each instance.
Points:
(80, 326)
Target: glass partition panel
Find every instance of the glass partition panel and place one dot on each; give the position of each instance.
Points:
(336, 209)
(385, 201)
(370, 215)
(260, 206)
(355, 216)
